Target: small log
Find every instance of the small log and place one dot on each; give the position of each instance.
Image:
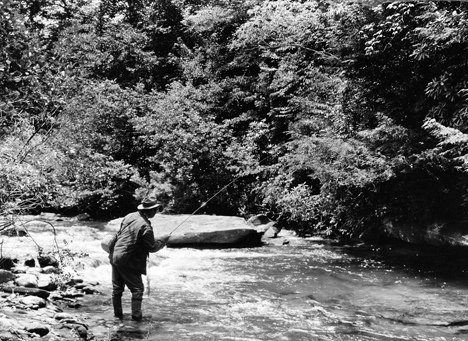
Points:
(26, 291)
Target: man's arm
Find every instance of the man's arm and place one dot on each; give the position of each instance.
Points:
(152, 244)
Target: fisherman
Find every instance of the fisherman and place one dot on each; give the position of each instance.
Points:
(128, 257)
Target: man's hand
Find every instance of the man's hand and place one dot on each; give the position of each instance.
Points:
(164, 238)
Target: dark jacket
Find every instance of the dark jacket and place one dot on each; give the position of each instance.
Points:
(135, 241)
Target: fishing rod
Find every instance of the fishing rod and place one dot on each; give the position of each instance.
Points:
(201, 206)
(148, 281)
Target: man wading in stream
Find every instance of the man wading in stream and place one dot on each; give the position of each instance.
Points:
(128, 257)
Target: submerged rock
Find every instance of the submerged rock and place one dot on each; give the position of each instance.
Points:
(33, 301)
(6, 276)
(38, 328)
(31, 262)
(262, 222)
(46, 282)
(47, 260)
(27, 281)
(270, 229)
(7, 263)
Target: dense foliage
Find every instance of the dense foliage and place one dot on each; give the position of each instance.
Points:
(331, 117)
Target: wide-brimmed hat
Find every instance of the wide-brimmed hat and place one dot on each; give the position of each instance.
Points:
(149, 203)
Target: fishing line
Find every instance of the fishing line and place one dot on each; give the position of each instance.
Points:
(203, 205)
(214, 195)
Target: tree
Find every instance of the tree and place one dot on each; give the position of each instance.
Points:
(408, 69)
(412, 49)
(137, 42)
(33, 89)
(442, 39)
(187, 161)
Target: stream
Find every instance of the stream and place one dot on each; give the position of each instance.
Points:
(310, 289)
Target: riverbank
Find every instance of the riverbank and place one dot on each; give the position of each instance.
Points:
(28, 313)
(42, 285)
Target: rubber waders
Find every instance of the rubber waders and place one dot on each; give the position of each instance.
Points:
(136, 310)
(117, 304)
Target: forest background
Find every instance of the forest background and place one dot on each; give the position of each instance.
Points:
(330, 116)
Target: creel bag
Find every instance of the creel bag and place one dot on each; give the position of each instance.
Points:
(108, 242)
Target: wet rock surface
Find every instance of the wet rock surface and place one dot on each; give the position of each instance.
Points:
(32, 306)
(40, 291)
(26, 315)
(270, 229)
(202, 231)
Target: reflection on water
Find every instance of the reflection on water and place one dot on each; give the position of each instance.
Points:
(308, 290)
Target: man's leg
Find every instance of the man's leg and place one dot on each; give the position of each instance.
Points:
(137, 288)
(118, 286)
(137, 314)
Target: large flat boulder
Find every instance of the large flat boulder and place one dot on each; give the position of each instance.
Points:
(202, 230)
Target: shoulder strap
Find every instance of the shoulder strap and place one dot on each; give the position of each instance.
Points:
(121, 227)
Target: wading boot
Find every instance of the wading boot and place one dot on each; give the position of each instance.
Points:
(117, 304)
(136, 310)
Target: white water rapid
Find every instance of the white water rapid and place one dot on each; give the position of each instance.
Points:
(308, 290)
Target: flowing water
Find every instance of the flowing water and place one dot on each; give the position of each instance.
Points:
(307, 290)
